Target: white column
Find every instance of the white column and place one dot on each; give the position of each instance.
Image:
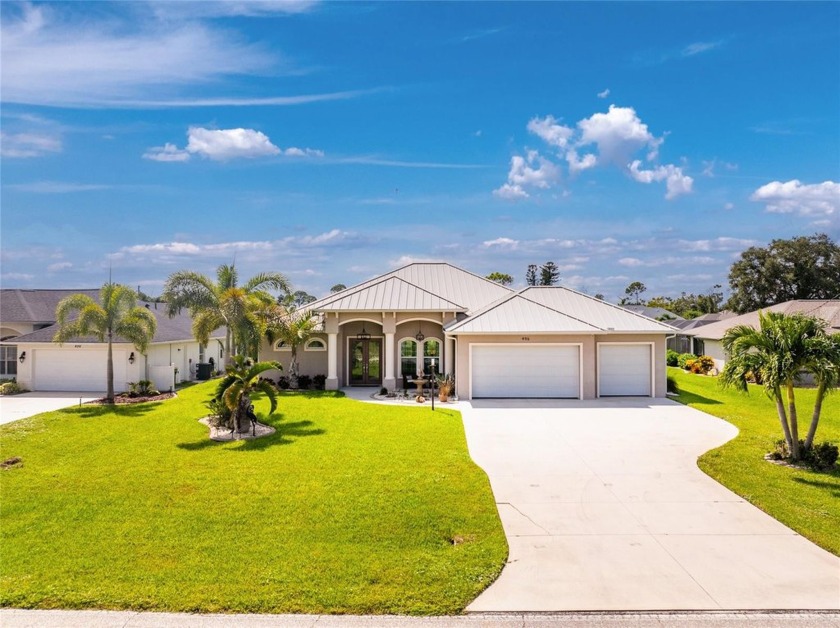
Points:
(332, 362)
(389, 356)
(449, 356)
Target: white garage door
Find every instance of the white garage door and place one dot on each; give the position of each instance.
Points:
(69, 370)
(624, 370)
(526, 371)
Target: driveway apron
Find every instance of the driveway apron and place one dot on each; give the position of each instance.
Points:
(604, 508)
(15, 407)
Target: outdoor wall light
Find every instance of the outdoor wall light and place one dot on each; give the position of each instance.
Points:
(22, 357)
(419, 336)
(363, 335)
(131, 358)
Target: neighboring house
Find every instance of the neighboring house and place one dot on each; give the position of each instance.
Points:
(707, 339)
(498, 342)
(683, 342)
(674, 342)
(27, 325)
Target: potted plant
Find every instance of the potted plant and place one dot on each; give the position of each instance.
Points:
(446, 386)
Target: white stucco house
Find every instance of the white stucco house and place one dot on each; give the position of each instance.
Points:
(708, 338)
(27, 350)
(540, 342)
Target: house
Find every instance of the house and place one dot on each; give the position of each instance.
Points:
(683, 342)
(498, 342)
(27, 328)
(708, 338)
(675, 342)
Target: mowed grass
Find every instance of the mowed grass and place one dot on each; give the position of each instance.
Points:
(349, 508)
(806, 501)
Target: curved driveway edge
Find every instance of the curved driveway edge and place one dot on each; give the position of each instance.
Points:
(16, 407)
(605, 509)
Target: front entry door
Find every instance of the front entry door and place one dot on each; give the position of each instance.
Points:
(365, 362)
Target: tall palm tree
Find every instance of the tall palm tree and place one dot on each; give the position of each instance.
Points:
(293, 327)
(117, 314)
(241, 379)
(223, 303)
(824, 364)
(784, 347)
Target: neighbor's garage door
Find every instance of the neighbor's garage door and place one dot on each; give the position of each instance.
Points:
(624, 370)
(69, 370)
(525, 371)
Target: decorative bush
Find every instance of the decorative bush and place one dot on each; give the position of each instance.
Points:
(220, 414)
(383, 391)
(685, 357)
(11, 388)
(319, 382)
(820, 457)
(304, 381)
(672, 358)
(703, 365)
(283, 382)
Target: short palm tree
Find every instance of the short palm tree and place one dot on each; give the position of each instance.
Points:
(779, 352)
(223, 303)
(293, 328)
(242, 377)
(116, 315)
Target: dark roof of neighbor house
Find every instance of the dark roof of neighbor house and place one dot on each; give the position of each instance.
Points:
(34, 306)
(656, 313)
(704, 319)
(175, 329)
(826, 309)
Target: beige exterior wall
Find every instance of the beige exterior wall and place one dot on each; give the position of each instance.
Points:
(588, 350)
(309, 362)
(714, 349)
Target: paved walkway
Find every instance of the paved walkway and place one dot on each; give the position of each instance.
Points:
(12, 618)
(16, 407)
(605, 509)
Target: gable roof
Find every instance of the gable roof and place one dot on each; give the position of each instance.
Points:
(35, 306)
(828, 310)
(655, 313)
(700, 321)
(457, 289)
(175, 329)
(555, 309)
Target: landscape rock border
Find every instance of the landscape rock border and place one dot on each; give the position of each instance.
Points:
(224, 435)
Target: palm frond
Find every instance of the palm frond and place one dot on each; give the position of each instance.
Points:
(268, 281)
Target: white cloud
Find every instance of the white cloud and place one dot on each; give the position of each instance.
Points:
(59, 266)
(50, 57)
(171, 9)
(818, 200)
(58, 187)
(303, 152)
(550, 131)
(531, 171)
(723, 243)
(618, 134)
(17, 276)
(709, 167)
(631, 261)
(167, 153)
(576, 164)
(604, 93)
(23, 145)
(676, 182)
(699, 47)
(225, 144)
(501, 243)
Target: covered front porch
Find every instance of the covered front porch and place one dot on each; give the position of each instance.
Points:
(385, 349)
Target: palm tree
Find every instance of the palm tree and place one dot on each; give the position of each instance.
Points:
(293, 327)
(784, 347)
(223, 303)
(824, 364)
(117, 314)
(241, 379)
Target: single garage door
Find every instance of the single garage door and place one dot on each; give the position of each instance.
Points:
(83, 371)
(513, 371)
(624, 370)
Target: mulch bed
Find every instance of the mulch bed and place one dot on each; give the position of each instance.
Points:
(123, 398)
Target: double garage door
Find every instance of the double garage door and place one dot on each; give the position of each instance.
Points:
(554, 370)
(521, 371)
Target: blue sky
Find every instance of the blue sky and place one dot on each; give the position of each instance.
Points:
(336, 141)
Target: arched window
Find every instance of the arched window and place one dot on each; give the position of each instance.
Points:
(281, 346)
(315, 344)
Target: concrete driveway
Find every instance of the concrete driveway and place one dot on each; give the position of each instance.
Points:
(15, 407)
(604, 509)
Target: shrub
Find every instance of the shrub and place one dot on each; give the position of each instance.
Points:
(820, 457)
(383, 391)
(146, 388)
(683, 358)
(11, 388)
(703, 364)
(220, 414)
(283, 382)
(673, 387)
(304, 381)
(319, 382)
(132, 389)
(672, 358)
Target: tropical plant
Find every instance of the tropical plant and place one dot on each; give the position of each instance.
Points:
(224, 303)
(242, 377)
(778, 353)
(293, 328)
(116, 315)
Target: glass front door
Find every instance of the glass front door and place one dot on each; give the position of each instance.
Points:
(365, 362)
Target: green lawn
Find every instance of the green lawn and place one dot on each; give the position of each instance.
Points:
(348, 508)
(806, 501)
